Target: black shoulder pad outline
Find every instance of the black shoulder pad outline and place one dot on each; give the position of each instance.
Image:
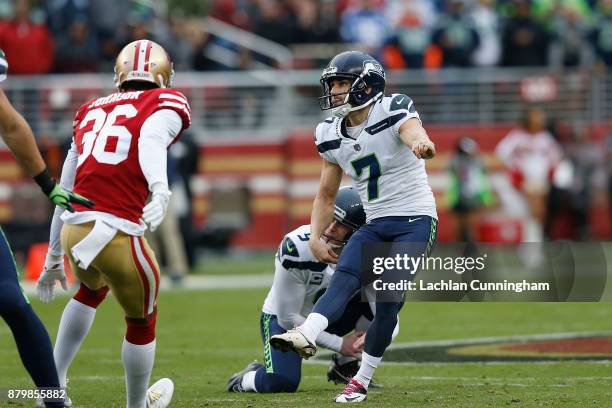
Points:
(289, 248)
(401, 102)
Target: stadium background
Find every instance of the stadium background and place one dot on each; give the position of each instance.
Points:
(249, 169)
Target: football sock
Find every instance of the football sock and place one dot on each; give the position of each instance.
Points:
(367, 368)
(75, 323)
(30, 336)
(248, 381)
(380, 333)
(314, 324)
(138, 363)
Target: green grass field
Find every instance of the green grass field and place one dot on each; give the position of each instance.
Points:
(205, 336)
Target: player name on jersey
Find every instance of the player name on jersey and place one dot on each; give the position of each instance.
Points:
(116, 97)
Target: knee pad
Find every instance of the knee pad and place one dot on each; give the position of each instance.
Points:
(91, 298)
(141, 331)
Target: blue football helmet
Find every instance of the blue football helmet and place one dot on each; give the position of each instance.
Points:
(348, 211)
(364, 72)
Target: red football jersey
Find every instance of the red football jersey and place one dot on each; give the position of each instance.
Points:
(106, 132)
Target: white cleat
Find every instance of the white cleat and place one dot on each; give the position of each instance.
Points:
(294, 340)
(41, 404)
(353, 392)
(159, 394)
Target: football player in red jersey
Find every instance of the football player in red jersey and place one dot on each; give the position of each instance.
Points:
(118, 160)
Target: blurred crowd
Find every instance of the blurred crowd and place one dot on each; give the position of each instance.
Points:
(560, 177)
(85, 35)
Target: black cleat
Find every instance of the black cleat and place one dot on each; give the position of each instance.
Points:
(234, 384)
(342, 373)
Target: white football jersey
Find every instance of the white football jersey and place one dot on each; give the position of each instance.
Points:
(391, 180)
(294, 260)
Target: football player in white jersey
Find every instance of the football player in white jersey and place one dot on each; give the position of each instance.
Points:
(380, 143)
(299, 280)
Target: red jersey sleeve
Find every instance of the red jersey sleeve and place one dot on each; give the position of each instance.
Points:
(168, 98)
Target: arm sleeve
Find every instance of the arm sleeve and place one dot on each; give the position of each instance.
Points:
(67, 182)
(402, 107)
(156, 134)
(325, 148)
(290, 291)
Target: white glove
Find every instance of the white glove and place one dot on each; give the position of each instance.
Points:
(153, 213)
(52, 271)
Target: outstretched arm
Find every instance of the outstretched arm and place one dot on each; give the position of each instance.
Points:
(18, 136)
(414, 136)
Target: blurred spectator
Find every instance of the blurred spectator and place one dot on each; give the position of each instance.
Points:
(273, 23)
(27, 44)
(570, 47)
(179, 46)
(544, 10)
(186, 154)
(314, 25)
(530, 154)
(470, 190)
(424, 10)
(77, 49)
(62, 13)
(367, 26)
(601, 35)
(199, 41)
(486, 23)
(524, 40)
(223, 10)
(456, 36)
(573, 183)
(168, 236)
(111, 16)
(138, 27)
(412, 38)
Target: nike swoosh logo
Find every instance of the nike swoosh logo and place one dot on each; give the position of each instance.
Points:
(414, 219)
(399, 101)
(289, 249)
(349, 399)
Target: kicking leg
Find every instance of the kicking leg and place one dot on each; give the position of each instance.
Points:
(30, 335)
(330, 307)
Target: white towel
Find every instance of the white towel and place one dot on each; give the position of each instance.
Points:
(89, 247)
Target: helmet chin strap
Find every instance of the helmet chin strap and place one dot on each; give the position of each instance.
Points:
(346, 108)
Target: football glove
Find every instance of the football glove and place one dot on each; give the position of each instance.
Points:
(52, 271)
(62, 198)
(153, 213)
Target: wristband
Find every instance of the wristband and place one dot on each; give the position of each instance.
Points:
(44, 180)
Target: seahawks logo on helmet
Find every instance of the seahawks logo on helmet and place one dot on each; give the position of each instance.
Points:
(3, 66)
(370, 66)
